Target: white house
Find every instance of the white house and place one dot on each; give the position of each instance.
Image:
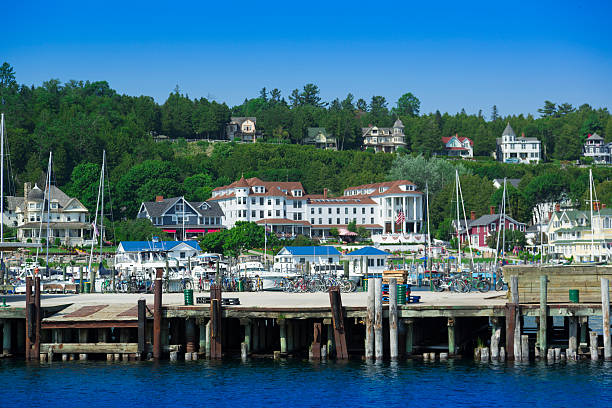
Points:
(513, 149)
(68, 217)
(367, 259)
(456, 146)
(294, 258)
(242, 128)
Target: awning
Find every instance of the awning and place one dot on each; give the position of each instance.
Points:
(170, 231)
(214, 230)
(196, 230)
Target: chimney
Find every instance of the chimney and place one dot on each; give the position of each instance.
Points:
(324, 193)
(472, 215)
(492, 209)
(549, 215)
(159, 199)
(557, 207)
(603, 206)
(522, 134)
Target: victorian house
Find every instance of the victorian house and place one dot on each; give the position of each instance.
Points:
(384, 139)
(242, 129)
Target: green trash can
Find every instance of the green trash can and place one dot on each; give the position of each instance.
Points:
(188, 296)
(574, 296)
(240, 285)
(401, 294)
(364, 286)
(87, 287)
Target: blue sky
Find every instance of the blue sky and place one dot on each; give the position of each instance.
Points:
(452, 55)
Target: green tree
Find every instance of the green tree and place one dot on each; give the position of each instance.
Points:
(434, 172)
(548, 110)
(408, 105)
(84, 184)
(140, 229)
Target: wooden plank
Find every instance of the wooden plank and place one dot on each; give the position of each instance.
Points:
(89, 325)
(90, 348)
(316, 341)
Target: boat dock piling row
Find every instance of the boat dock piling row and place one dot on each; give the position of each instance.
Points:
(490, 327)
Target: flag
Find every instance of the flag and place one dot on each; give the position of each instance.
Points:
(95, 229)
(400, 217)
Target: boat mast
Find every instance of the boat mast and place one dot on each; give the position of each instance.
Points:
(592, 225)
(458, 222)
(500, 224)
(2, 189)
(428, 262)
(102, 205)
(48, 212)
(93, 238)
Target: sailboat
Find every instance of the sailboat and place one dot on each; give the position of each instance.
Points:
(96, 232)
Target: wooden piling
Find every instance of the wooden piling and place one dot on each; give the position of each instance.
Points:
(337, 313)
(573, 336)
(593, 346)
(244, 351)
(330, 336)
(524, 347)
(378, 317)
(189, 336)
(157, 315)
(369, 336)
(29, 318)
(215, 317)
(409, 327)
(38, 314)
(605, 315)
(484, 354)
(247, 333)
(513, 323)
(557, 354)
(202, 332)
(142, 321)
(7, 334)
(495, 337)
(450, 323)
(543, 331)
(393, 335)
(255, 332)
(282, 326)
(316, 341)
(208, 329)
(502, 354)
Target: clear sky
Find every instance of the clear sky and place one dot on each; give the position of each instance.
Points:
(451, 55)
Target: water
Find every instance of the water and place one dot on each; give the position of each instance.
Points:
(265, 383)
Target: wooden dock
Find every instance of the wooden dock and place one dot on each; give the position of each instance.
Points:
(124, 327)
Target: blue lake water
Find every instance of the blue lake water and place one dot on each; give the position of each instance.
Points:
(294, 383)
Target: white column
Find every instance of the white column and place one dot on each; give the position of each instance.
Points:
(415, 214)
(393, 229)
(405, 214)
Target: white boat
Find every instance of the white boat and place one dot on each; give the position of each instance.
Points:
(270, 280)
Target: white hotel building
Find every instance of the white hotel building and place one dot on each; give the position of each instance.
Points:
(513, 149)
(288, 211)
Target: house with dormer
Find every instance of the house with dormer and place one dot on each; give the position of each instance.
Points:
(383, 139)
(183, 219)
(242, 129)
(458, 146)
(66, 217)
(572, 234)
(513, 149)
(321, 139)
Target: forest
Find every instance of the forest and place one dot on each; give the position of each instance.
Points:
(77, 120)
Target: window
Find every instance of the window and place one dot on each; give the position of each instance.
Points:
(363, 220)
(346, 220)
(277, 201)
(329, 210)
(179, 207)
(363, 210)
(312, 210)
(269, 201)
(269, 213)
(320, 221)
(253, 201)
(253, 213)
(261, 201)
(329, 221)
(338, 221)
(371, 220)
(371, 210)
(312, 221)
(261, 214)
(346, 210)
(278, 213)
(354, 210)
(182, 255)
(302, 260)
(338, 210)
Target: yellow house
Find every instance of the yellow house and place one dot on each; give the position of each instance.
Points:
(571, 235)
